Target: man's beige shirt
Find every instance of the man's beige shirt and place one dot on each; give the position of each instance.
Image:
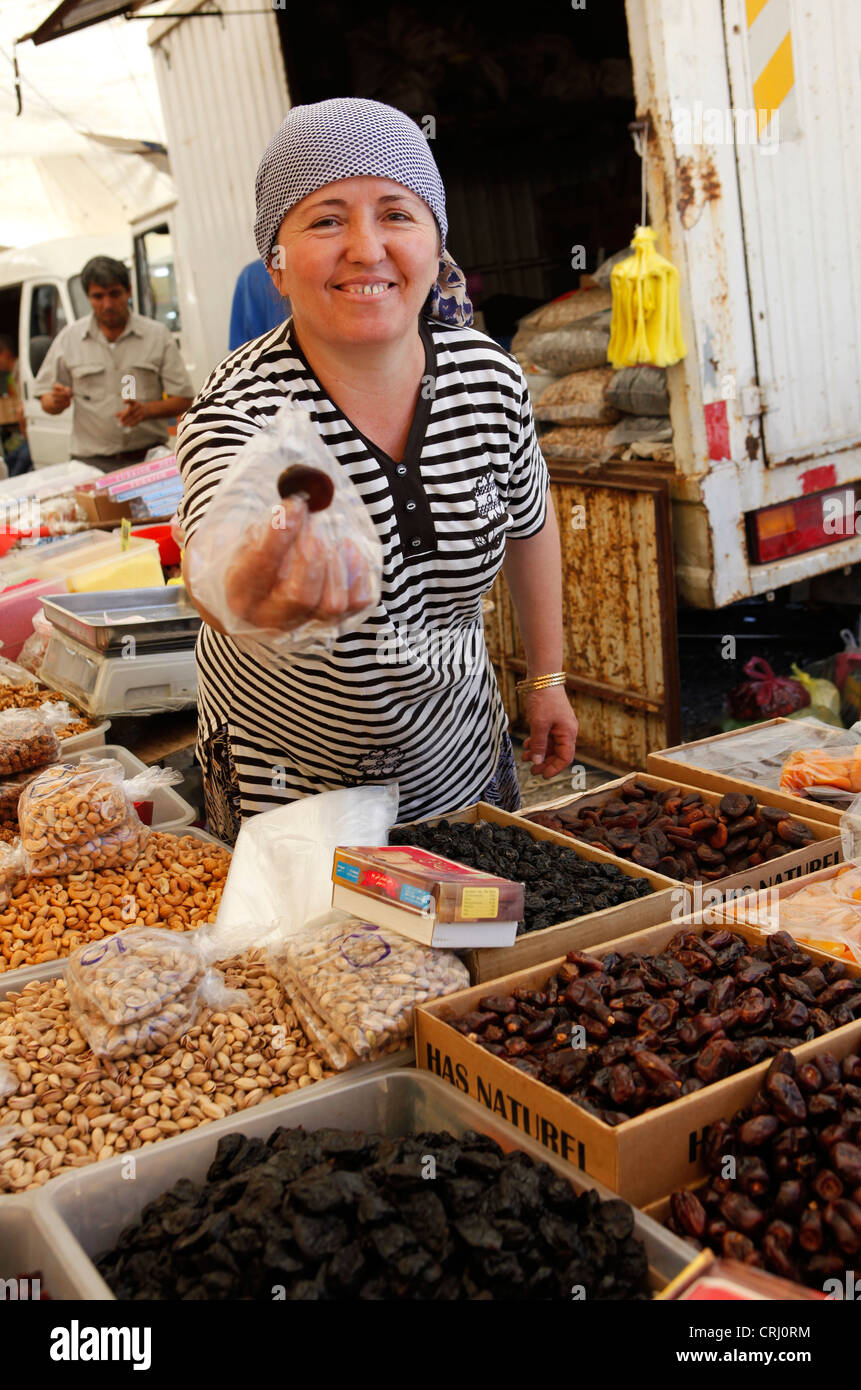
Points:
(143, 364)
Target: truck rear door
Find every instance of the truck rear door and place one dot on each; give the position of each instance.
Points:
(797, 67)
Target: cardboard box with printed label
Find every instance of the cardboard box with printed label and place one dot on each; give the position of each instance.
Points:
(642, 1159)
(425, 896)
(821, 853)
(487, 963)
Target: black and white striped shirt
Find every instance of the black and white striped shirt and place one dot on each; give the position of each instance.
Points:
(411, 693)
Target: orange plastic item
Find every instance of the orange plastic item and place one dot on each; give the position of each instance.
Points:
(820, 767)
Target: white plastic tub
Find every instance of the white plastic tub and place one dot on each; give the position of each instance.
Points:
(90, 738)
(85, 1211)
(26, 1247)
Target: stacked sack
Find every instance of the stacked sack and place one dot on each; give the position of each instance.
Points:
(586, 411)
(562, 348)
(644, 431)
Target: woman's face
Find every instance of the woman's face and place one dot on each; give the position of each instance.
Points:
(357, 259)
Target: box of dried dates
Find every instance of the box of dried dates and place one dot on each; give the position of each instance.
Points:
(751, 760)
(619, 1057)
(783, 1174)
(575, 896)
(720, 845)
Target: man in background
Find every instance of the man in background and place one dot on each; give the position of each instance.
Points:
(16, 450)
(121, 373)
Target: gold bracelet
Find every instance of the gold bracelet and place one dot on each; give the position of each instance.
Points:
(542, 682)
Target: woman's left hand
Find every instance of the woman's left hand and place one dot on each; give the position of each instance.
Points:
(553, 729)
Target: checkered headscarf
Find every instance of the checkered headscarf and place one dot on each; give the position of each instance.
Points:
(346, 138)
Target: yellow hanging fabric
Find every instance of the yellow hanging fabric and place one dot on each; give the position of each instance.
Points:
(646, 323)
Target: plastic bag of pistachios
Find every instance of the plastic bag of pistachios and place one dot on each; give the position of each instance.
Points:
(364, 981)
(141, 989)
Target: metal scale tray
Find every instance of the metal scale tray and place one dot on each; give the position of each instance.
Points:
(160, 619)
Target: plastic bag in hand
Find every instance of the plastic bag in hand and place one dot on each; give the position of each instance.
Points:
(142, 989)
(28, 737)
(76, 817)
(286, 557)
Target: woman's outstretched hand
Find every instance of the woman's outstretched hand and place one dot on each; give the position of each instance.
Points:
(553, 729)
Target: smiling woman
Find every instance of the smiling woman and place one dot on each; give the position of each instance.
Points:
(431, 421)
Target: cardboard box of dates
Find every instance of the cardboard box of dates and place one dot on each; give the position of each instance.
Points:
(659, 1150)
(674, 763)
(789, 1200)
(571, 934)
(708, 839)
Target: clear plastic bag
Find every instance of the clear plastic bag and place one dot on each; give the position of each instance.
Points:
(329, 1044)
(32, 654)
(142, 989)
(825, 915)
(281, 867)
(833, 772)
(10, 793)
(76, 817)
(11, 869)
(28, 737)
(14, 675)
(286, 573)
(363, 981)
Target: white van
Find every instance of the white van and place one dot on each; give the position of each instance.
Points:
(41, 292)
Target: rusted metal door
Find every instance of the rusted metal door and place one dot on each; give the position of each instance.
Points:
(619, 608)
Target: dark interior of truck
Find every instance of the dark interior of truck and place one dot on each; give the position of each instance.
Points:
(528, 124)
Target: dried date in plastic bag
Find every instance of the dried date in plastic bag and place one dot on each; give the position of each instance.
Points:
(143, 988)
(287, 557)
(365, 982)
(28, 737)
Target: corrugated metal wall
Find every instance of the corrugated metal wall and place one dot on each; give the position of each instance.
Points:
(619, 618)
(224, 93)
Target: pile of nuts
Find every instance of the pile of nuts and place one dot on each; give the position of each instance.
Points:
(176, 883)
(623, 1034)
(339, 1214)
(76, 818)
(794, 1204)
(678, 833)
(76, 1109)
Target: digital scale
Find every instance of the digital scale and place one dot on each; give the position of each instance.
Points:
(125, 651)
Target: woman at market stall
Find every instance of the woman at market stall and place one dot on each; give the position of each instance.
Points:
(432, 422)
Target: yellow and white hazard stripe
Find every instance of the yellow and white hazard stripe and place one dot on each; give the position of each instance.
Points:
(772, 68)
